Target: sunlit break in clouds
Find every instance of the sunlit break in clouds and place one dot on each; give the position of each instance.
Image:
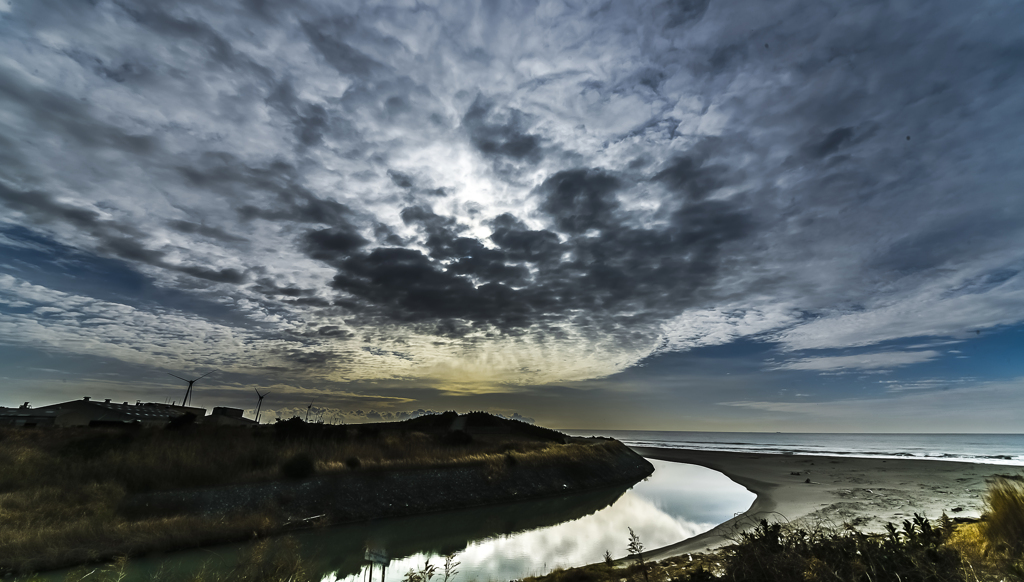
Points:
(680, 215)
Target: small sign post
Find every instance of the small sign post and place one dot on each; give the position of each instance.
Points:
(375, 557)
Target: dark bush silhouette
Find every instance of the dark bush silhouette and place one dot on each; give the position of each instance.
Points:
(457, 438)
(913, 554)
(292, 428)
(300, 466)
(180, 422)
(353, 463)
(368, 432)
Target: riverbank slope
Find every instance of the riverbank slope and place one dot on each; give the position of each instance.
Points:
(74, 496)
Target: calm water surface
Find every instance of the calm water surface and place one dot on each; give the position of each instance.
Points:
(677, 502)
(509, 541)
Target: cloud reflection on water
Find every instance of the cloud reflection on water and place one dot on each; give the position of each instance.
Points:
(677, 502)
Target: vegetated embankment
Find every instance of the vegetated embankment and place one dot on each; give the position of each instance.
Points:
(380, 492)
(73, 496)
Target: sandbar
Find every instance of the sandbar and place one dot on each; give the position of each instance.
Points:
(834, 491)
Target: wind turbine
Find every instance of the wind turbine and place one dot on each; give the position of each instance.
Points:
(259, 404)
(188, 393)
(308, 408)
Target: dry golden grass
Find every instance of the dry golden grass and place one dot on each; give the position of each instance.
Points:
(149, 460)
(1004, 517)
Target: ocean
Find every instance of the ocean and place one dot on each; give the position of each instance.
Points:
(996, 449)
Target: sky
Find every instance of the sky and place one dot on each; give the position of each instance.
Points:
(694, 215)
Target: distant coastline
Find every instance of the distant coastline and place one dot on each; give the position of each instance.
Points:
(993, 449)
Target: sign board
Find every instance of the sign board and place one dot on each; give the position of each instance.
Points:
(377, 557)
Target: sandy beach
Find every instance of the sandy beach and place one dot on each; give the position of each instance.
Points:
(867, 493)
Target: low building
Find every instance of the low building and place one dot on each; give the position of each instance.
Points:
(26, 416)
(89, 412)
(224, 416)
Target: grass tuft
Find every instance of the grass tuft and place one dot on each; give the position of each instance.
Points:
(1004, 517)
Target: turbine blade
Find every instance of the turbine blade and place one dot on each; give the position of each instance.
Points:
(178, 377)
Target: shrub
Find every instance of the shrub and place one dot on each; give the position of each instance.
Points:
(289, 429)
(915, 553)
(179, 422)
(457, 438)
(1004, 517)
(367, 432)
(298, 467)
(353, 463)
(635, 548)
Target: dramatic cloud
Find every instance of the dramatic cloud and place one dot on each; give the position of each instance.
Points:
(490, 197)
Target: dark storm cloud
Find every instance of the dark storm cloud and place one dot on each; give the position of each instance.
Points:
(219, 276)
(579, 200)
(289, 199)
(60, 114)
(119, 240)
(194, 33)
(523, 244)
(406, 285)
(832, 142)
(310, 121)
(347, 60)
(691, 178)
(331, 244)
(400, 179)
(114, 239)
(500, 134)
(43, 208)
(605, 265)
(683, 12)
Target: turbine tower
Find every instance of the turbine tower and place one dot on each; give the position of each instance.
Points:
(188, 393)
(259, 404)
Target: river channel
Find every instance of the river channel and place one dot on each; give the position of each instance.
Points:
(502, 542)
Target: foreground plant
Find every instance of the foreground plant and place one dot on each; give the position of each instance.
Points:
(1003, 525)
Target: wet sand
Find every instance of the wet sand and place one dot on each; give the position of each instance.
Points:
(866, 493)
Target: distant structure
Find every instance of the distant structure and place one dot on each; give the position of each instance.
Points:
(88, 412)
(188, 393)
(259, 404)
(224, 416)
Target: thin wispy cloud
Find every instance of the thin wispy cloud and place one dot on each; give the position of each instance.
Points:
(870, 361)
